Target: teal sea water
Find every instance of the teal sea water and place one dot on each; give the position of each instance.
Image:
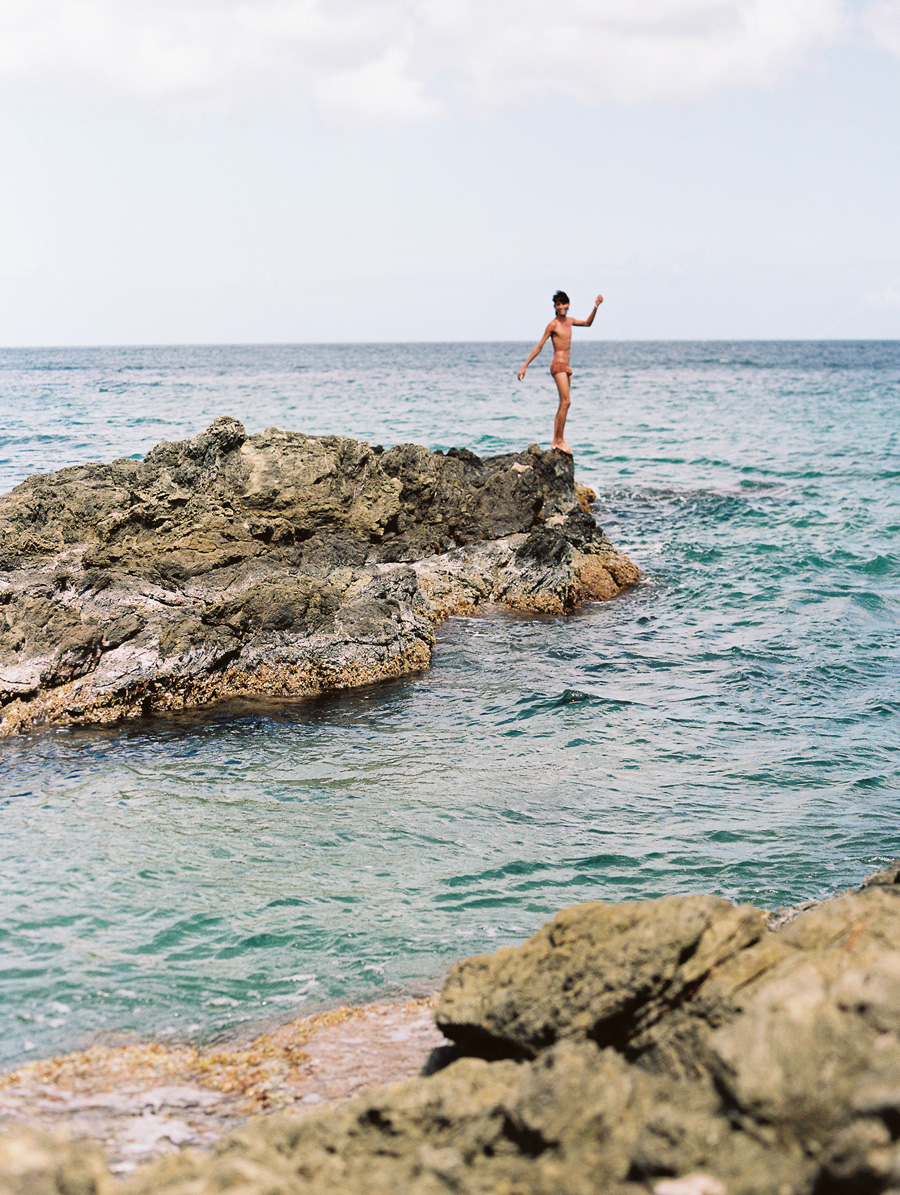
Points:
(731, 726)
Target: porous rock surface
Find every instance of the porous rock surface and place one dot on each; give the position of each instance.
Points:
(277, 564)
(680, 1046)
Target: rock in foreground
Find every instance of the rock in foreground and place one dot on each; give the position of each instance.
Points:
(277, 564)
(672, 1047)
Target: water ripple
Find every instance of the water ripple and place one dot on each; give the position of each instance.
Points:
(730, 726)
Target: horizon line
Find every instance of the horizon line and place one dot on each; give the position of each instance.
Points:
(211, 344)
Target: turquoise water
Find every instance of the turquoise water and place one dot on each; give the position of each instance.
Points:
(731, 726)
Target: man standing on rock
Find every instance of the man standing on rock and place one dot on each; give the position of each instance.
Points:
(560, 332)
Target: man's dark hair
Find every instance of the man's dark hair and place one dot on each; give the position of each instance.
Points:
(560, 297)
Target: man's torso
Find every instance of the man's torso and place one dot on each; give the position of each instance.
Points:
(561, 336)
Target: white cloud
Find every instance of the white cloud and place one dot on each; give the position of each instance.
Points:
(371, 61)
(888, 296)
(374, 93)
(658, 50)
(882, 19)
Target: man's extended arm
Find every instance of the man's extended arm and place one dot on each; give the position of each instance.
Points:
(537, 348)
(586, 323)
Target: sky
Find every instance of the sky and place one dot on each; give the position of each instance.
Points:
(257, 171)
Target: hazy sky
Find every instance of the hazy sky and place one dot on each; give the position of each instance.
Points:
(296, 170)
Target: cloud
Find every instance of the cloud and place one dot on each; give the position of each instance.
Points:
(882, 20)
(375, 61)
(660, 50)
(377, 92)
(888, 296)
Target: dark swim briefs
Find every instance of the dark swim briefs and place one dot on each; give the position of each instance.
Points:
(560, 364)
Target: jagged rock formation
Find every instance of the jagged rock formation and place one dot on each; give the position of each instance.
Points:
(277, 564)
(675, 1047)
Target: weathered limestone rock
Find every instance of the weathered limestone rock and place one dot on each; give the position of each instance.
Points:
(596, 971)
(41, 1164)
(576, 1122)
(794, 1032)
(277, 564)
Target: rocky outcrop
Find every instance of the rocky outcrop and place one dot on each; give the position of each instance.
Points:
(277, 564)
(676, 1047)
(619, 975)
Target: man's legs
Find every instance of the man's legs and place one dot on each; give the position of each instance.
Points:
(559, 423)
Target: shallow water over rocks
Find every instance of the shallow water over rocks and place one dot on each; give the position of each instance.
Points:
(731, 726)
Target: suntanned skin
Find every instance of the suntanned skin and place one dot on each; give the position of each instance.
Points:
(559, 330)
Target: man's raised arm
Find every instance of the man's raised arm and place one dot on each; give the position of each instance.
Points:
(586, 323)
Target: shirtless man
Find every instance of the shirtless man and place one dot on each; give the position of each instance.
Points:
(560, 332)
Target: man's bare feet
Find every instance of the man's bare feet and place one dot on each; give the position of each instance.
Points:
(562, 446)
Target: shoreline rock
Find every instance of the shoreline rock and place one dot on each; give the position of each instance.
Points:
(142, 1101)
(278, 564)
(679, 1046)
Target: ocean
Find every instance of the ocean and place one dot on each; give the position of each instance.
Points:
(731, 726)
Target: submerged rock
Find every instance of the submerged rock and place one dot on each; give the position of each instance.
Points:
(277, 564)
(670, 1047)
